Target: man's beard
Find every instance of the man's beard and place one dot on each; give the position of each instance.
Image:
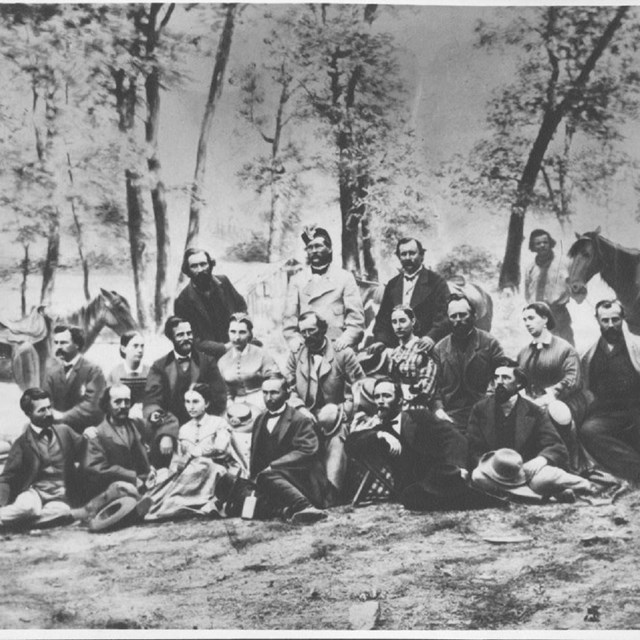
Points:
(613, 335)
(44, 423)
(120, 416)
(462, 329)
(503, 394)
(202, 279)
(184, 348)
(410, 266)
(314, 344)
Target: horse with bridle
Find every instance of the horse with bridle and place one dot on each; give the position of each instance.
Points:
(618, 266)
(29, 338)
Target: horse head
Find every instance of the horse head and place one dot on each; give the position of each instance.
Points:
(117, 312)
(586, 261)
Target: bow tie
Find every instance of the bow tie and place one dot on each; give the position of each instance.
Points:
(45, 434)
(183, 360)
(412, 276)
(68, 366)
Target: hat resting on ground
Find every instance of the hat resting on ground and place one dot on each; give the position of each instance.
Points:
(503, 471)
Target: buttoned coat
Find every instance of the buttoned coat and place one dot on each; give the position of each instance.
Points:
(76, 396)
(109, 459)
(473, 372)
(24, 462)
(334, 296)
(534, 433)
(428, 301)
(336, 374)
(296, 454)
(210, 334)
(162, 393)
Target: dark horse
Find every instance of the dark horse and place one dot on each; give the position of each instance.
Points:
(618, 267)
(29, 338)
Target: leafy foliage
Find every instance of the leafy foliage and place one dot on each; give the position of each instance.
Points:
(252, 250)
(476, 263)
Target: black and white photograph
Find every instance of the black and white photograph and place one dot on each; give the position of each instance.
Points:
(319, 317)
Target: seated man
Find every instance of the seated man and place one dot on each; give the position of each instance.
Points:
(611, 367)
(73, 383)
(285, 461)
(506, 420)
(168, 380)
(39, 482)
(467, 358)
(425, 456)
(320, 376)
(116, 453)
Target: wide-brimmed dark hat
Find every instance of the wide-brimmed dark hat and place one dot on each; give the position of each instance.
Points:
(373, 363)
(503, 471)
(312, 232)
(363, 395)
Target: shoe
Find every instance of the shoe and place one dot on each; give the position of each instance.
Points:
(308, 516)
(567, 496)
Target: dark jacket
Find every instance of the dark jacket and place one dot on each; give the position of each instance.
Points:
(469, 377)
(108, 459)
(428, 301)
(534, 433)
(162, 392)
(430, 448)
(210, 325)
(77, 396)
(297, 454)
(24, 460)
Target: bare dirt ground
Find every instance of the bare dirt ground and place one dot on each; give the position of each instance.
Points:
(426, 570)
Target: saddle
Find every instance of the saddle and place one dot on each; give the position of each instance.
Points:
(33, 328)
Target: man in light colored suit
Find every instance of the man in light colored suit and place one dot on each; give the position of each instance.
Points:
(74, 383)
(327, 289)
(168, 380)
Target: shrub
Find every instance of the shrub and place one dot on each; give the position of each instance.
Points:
(473, 262)
(252, 250)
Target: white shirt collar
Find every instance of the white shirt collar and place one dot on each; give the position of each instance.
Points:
(279, 412)
(413, 275)
(130, 371)
(507, 407)
(36, 430)
(177, 356)
(542, 341)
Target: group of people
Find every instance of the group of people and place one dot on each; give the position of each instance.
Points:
(431, 413)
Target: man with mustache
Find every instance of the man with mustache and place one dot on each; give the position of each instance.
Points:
(321, 381)
(73, 382)
(207, 302)
(506, 420)
(467, 358)
(611, 368)
(39, 482)
(423, 290)
(327, 289)
(117, 453)
(168, 380)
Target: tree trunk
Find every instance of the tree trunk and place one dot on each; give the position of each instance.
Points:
(510, 272)
(50, 265)
(368, 261)
(79, 238)
(25, 278)
(215, 91)
(350, 224)
(137, 245)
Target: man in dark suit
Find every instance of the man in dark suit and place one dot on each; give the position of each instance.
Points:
(39, 482)
(74, 383)
(168, 380)
(285, 457)
(422, 289)
(420, 458)
(506, 420)
(116, 453)
(207, 302)
(467, 358)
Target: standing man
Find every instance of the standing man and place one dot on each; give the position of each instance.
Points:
(506, 420)
(39, 481)
(425, 456)
(467, 358)
(116, 453)
(326, 289)
(422, 289)
(168, 380)
(321, 381)
(207, 302)
(74, 383)
(285, 460)
(545, 280)
(611, 367)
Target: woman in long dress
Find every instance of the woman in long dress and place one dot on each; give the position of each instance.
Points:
(204, 454)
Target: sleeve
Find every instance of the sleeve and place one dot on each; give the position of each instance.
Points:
(477, 442)
(237, 301)
(571, 378)
(352, 372)
(353, 312)
(550, 443)
(496, 354)
(87, 412)
(382, 331)
(268, 364)
(528, 283)
(291, 310)
(440, 325)
(154, 392)
(290, 374)
(218, 444)
(12, 470)
(305, 443)
(218, 388)
(96, 464)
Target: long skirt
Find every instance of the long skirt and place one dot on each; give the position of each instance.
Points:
(189, 491)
